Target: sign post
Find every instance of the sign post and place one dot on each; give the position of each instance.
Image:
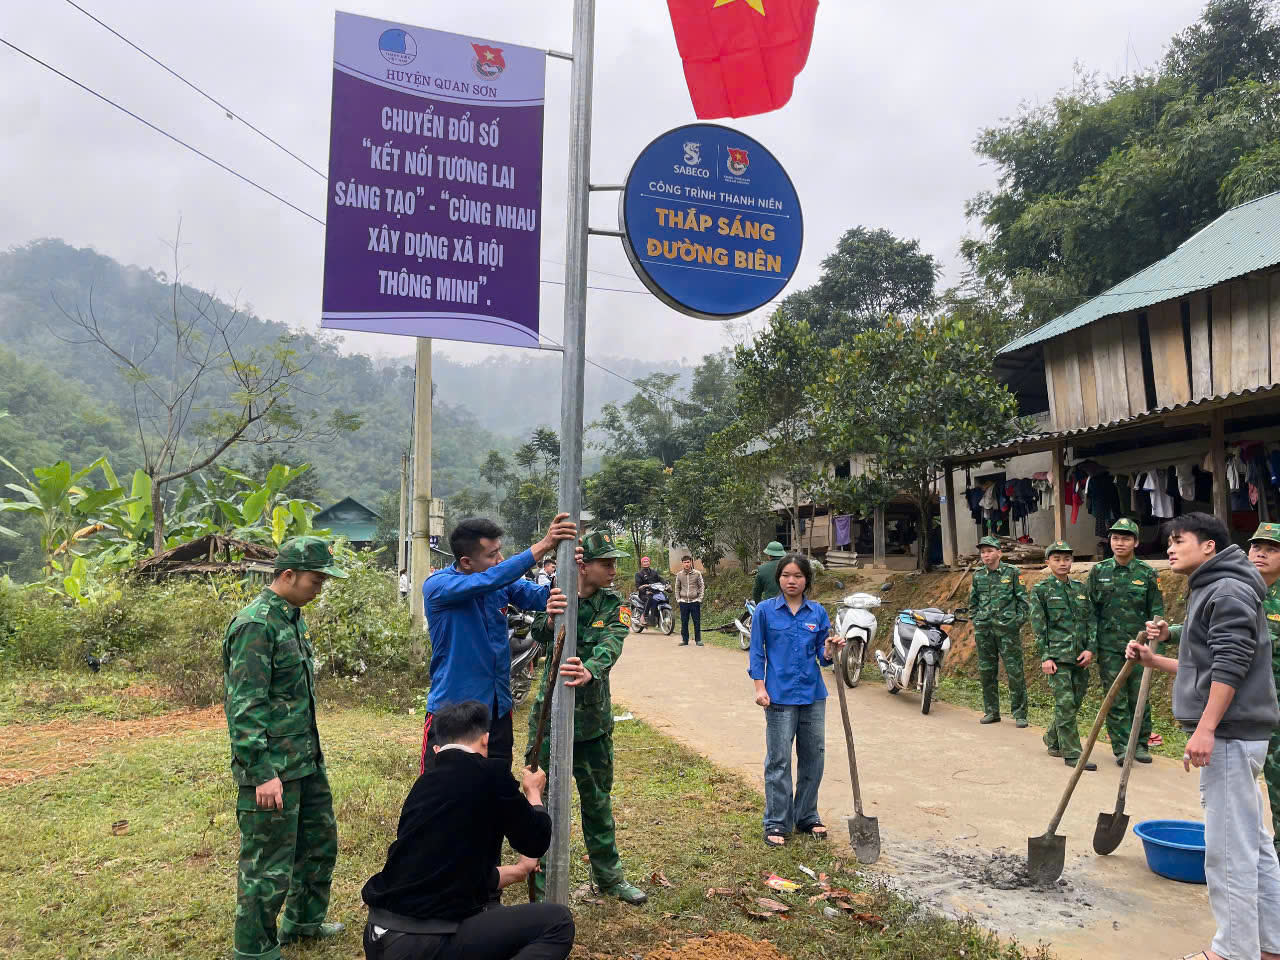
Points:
(572, 384)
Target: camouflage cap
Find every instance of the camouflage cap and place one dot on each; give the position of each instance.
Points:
(1059, 546)
(775, 549)
(990, 542)
(600, 546)
(1267, 531)
(1124, 525)
(309, 553)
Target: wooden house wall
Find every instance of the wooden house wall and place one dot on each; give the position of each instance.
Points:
(1094, 375)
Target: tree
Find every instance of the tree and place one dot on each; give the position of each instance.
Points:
(1233, 40)
(1108, 178)
(647, 424)
(627, 495)
(773, 423)
(528, 483)
(870, 276)
(62, 505)
(907, 396)
(188, 354)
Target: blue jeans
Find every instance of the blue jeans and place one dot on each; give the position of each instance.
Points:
(807, 726)
(1240, 859)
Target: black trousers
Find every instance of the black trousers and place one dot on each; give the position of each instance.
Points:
(531, 931)
(688, 610)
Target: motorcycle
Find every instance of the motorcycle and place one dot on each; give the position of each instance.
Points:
(857, 624)
(743, 623)
(920, 642)
(658, 597)
(525, 652)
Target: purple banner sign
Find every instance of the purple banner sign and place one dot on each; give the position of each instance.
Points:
(435, 185)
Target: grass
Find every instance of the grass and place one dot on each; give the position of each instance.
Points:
(69, 888)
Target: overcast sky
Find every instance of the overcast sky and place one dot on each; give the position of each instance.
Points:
(878, 133)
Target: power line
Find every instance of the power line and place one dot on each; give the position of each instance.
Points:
(222, 106)
(165, 133)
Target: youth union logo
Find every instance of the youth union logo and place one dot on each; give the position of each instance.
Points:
(737, 161)
(489, 63)
(692, 153)
(397, 46)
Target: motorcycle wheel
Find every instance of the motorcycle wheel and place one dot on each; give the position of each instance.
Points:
(666, 621)
(926, 687)
(849, 666)
(636, 625)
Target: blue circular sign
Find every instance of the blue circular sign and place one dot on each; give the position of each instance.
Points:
(711, 221)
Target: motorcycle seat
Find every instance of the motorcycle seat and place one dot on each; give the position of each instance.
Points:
(520, 644)
(907, 631)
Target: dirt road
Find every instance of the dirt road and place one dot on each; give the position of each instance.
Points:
(950, 794)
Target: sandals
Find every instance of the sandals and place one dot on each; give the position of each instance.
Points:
(782, 840)
(816, 830)
(1196, 956)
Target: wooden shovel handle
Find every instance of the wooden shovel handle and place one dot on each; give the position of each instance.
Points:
(1110, 698)
(1135, 731)
(553, 668)
(842, 657)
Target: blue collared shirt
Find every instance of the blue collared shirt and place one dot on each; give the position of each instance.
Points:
(786, 649)
(470, 653)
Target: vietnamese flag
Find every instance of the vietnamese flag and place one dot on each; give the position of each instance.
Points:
(741, 57)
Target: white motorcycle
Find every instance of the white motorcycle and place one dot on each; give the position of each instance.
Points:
(743, 623)
(920, 643)
(857, 624)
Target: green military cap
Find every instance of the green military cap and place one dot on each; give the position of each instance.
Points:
(1059, 546)
(1267, 531)
(309, 553)
(600, 546)
(1124, 525)
(990, 542)
(775, 549)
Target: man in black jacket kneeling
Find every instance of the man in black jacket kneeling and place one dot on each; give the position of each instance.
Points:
(428, 902)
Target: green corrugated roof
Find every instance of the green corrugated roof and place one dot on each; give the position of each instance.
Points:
(348, 518)
(1244, 239)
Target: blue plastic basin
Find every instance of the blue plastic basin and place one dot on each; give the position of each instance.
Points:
(1174, 848)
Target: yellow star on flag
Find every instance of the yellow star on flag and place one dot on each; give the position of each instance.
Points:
(756, 5)
(488, 54)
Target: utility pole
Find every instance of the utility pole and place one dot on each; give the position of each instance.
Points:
(401, 559)
(420, 554)
(572, 383)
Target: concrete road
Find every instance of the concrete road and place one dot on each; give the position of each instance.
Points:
(948, 794)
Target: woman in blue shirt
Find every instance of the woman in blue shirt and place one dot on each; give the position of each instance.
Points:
(790, 636)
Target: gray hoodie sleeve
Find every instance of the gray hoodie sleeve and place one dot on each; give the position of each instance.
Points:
(1231, 639)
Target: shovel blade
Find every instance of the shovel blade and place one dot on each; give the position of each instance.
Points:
(1110, 832)
(864, 837)
(1046, 856)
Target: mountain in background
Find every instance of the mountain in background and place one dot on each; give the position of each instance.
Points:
(69, 401)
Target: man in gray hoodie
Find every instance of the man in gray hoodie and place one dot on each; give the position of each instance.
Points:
(1224, 695)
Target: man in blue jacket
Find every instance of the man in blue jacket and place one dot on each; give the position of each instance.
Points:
(470, 652)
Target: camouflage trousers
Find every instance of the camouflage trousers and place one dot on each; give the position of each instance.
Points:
(593, 770)
(1271, 773)
(1068, 685)
(995, 644)
(1120, 717)
(286, 859)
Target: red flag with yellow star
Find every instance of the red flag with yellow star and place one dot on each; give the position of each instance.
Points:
(741, 57)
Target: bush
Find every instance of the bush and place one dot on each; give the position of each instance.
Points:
(360, 623)
(35, 629)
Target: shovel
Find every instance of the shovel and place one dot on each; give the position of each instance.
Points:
(864, 831)
(1047, 854)
(1112, 826)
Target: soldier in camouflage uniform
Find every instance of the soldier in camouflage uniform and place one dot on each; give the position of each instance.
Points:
(603, 624)
(1124, 594)
(1264, 553)
(998, 608)
(288, 835)
(1065, 627)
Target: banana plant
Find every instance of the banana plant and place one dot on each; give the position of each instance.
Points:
(64, 509)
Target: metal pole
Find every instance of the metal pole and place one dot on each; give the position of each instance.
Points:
(572, 380)
(420, 553)
(401, 559)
